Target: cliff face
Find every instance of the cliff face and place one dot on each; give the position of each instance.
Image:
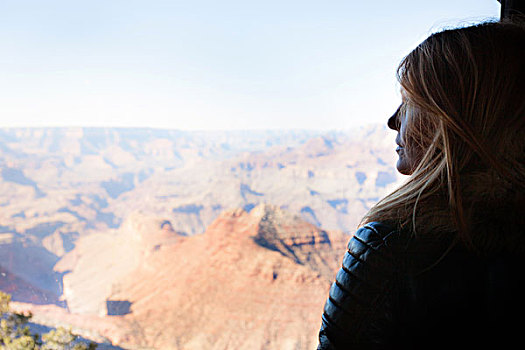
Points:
(251, 281)
(95, 268)
(20, 289)
(26, 271)
(296, 239)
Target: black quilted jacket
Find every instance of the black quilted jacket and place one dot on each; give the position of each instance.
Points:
(397, 292)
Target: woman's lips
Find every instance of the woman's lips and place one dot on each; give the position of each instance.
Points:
(399, 149)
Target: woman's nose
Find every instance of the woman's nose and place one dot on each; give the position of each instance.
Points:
(392, 121)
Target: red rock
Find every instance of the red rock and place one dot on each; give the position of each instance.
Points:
(251, 280)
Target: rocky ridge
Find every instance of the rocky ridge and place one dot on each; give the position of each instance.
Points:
(252, 280)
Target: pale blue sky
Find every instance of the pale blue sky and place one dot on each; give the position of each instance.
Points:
(206, 64)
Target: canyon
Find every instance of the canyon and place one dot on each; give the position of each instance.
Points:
(164, 239)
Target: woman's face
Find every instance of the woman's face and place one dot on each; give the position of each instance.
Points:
(407, 161)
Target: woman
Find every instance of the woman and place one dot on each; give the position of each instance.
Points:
(440, 261)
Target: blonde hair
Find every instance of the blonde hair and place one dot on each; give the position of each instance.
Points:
(464, 104)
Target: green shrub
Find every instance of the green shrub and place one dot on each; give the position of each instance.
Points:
(15, 334)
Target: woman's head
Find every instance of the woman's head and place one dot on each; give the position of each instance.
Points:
(466, 87)
(463, 112)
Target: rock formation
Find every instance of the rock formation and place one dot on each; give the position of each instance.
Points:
(252, 281)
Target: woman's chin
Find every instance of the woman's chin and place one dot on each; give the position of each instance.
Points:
(403, 167)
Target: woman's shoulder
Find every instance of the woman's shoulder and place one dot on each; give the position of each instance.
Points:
(378, 238)
(368, 272)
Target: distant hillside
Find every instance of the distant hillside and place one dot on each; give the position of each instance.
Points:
(59, 184)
